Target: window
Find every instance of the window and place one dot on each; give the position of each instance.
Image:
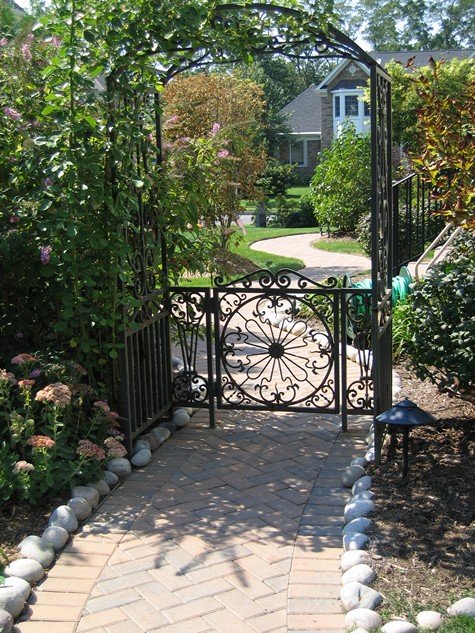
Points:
(296, 152)
(337, 106)
(366, 108)
(351, 105)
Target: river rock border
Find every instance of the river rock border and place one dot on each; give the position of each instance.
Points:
(358, 599)
(40, 552)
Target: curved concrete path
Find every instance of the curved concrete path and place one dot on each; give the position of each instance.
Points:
(232, 530)
(318, 264)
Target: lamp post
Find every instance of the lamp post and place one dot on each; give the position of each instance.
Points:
(402, 418)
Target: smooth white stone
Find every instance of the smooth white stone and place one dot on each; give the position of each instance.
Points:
(354, 557)
(360, 525)
(397, 382)
(429, 620)
(119, 466)
(11, 600)
(369, 439)
(20, 584)
(299, 328)
(359, 461)
(153, 441)
(351, 353)
(6, 622)
(355, 541)
(142, 458)
(81, 508)
(365, 494)
(465, 606)
(26, 568)
(354, 595)
(64, 517)
(101, 486)
(57, 536)
(181, 418)
(363, 483)
(140, 444)
(396, 391)
(359, 630)
(162, 433)
(358, 508)
(364, 618)
(399, 626)
(110, 478)
(351, 474)
(88, 493)
(359, 573)
(189, 410)
(38, 549)
(370, 454)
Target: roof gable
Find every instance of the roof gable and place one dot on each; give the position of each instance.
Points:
(304, 112)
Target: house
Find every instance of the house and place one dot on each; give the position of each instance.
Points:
(315, 116)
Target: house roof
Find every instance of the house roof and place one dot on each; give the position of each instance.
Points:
(421, 58)
(304, 112)
(13, 5)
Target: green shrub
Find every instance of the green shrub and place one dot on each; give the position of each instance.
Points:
(402, 327)
(276, 179)
(442, 321)
(288, 216)
(363, 233)
(341, 184)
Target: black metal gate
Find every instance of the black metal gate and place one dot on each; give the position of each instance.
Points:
(276, 342)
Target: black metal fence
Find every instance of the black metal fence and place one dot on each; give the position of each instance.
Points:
(414, 225)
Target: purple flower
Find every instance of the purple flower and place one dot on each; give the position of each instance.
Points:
(223, 153)
(25, 49)
(215, 129)
(36, 373)
(48, 182)
(172, 120)
(3, 42)
(14, 219)
(45, 254)
(55, 41)
(13, 114)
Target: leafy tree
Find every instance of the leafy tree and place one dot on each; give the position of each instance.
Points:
(341, 184)
(446, 154)
(230, 110)
(453, 82)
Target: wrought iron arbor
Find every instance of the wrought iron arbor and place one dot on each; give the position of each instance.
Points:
(245, 343)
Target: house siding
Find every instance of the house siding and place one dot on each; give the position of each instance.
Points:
(327, 100)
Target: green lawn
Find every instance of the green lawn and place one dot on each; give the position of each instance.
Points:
(340, 245)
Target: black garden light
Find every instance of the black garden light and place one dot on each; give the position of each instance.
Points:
(402, 418)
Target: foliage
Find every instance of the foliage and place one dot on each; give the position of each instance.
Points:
(402, 327)
(54, 433)
(222, 117)
(452, 82)
(340, 186)
(446, 155)
(442, 321)
(363, 233)
(389, 25)
(276, 178)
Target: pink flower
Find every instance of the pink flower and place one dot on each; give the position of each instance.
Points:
(223, 153)
(41, 441)
(14, 219)
(86, 448)
(21, 359)
(45, 254)
(25, 49)
(172, 120)
(114, 448)
(3, 42)
(101, 404)
(22, 467)
(13, 114)
(26, 384)
(7, 376)
(57, 393)
(55, 41)
(116, 433)
(48, 182)
(215, 129)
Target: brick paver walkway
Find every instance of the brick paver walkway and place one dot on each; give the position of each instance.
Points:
(236, 529)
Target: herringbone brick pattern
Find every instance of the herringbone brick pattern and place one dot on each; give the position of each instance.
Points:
(235, 529)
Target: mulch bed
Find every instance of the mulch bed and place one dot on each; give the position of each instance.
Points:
(423, 531)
